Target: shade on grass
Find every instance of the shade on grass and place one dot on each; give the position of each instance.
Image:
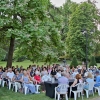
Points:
(6, 94)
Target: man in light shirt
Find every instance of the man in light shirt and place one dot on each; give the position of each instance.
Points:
(58, 74)
(63, 79)
(45, 77)
(10, 74)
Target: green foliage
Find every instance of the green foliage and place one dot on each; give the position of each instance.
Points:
(93, 61)
(40, 29)
(82, 18)
(97, 58)
(2, 54)
(74, 62)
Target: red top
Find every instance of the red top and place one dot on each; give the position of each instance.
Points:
(37, 78)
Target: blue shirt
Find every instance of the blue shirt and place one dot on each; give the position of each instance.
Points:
(18, 77)
(97, 81)
(89, 80)
(63, 80)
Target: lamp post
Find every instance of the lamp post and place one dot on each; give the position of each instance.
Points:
(85, 32)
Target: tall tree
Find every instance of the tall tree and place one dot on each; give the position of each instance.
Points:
(14, 14)
(82, 18)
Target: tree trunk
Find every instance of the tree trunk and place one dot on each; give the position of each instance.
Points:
(10, 53)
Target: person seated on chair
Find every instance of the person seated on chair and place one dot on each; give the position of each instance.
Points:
(10, 74)
(89, 79)
(1, 72)
(4, 75)
(58, 74)
(37, 77)
(76, 81)
(44, 71)
(26, 82)
(62, 80)
(75, 73)
(97, 84)
(45, 77)
(17, 78)
(53, 72)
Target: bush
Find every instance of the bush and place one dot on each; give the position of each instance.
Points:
(97, 58)
(20, 59)
(74, 62)
(93, 61)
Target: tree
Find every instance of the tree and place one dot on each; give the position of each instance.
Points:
(93, 61)
(74, 62)
(82, 18)
(15, 14)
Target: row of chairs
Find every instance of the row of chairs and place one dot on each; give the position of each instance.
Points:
(80, 87)
(14, 86)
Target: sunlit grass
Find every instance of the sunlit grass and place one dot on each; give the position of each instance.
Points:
(26, 63)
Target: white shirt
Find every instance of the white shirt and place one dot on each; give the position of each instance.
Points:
(46, 78)
(74, 74)
(58, 75)
(10, 74)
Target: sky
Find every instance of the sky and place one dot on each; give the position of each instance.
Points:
(59, 3)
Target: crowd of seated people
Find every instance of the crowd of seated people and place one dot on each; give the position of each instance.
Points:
(35, 74)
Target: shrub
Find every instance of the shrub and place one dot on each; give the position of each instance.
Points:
(97, 58)
(74, 62)
(93, 61)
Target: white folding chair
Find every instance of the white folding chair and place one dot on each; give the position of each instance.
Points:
(98, 89)
(62, 90)
(25, 88)
(15, 86)
(78, 91)
(37, 88)
(90, 89)
(9, 84)
(3, 83)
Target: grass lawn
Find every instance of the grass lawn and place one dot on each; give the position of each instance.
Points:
(6, 94)
(26, 63)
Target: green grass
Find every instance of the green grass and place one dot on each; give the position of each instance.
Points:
(6, 94)
(26, 63)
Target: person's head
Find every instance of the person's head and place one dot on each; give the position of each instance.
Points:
(97, 73)
(63, 74)
(53, 69)
(37, 73)
(21, 71)
(5, 70)
(17, 72)
(0, 69)
(59, 71)
(89, 75)
(15, 69)
(10, 70)
(44, 68)
(78, 76)
(25, 72)
(75, 70)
